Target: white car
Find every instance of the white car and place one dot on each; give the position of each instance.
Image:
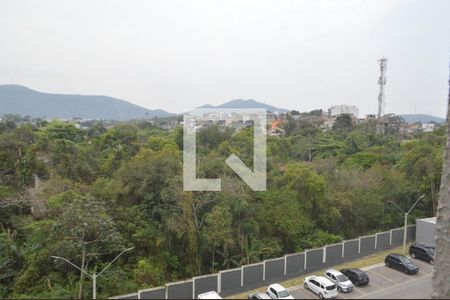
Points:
(209, 295)
(342, 282)
(321, 286)
(277, 291)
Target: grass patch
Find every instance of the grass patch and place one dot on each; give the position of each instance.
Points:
(365, 261)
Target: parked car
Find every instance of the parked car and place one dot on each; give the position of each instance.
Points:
(356, 276)
(277, 291)
(321, 286)
(209, 295)
(422, 252)
(342, 282)
(401, 263)
(259, 296)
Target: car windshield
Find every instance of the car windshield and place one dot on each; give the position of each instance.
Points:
(430, 251)
(330, 287)
(404, 260)
(341, 278)
(283, 294)
(363, 276)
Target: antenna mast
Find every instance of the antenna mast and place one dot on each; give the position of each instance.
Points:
(381, 101)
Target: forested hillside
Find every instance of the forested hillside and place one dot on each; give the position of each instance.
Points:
(87, 194)
(17, 99)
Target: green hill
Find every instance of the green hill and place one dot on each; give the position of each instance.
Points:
(16, 99)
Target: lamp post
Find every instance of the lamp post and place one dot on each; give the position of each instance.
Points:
(406, 219)
(93, 276)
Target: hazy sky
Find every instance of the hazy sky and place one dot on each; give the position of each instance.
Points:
(178, 54)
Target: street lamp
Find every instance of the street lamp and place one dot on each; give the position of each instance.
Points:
(406, 219)
(93, 276)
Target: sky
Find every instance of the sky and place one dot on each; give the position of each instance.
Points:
(173, 55)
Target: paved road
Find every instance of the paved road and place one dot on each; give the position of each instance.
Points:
(417, 289)
(385, 283)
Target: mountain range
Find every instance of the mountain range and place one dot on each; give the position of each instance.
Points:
(20, 100)
(249, 103)
(421, 118)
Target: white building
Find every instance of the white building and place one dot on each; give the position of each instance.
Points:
(426, 231)
(429, 127)
(343, 109)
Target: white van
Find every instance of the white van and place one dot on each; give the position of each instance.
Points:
(321, 286)
(209, 295)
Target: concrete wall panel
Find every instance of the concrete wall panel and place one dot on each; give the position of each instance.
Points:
(383, 240)
(127, 296)
(333, 254)
(205, 284)
(180, 290)
(367, 245)
(295, 263)
(230, 280)
(155, 293)
(411, 233)
(253, 274)
(274, 268)
(314, 259)
(351, 249)
(397, 237)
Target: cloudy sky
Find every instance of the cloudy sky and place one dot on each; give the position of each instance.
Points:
(178, 54)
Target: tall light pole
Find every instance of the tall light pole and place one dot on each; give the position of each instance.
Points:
(406, 219)
(93, 276)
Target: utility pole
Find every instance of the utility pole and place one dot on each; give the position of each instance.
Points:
(381, 101)
(93, 276)
(405, 228)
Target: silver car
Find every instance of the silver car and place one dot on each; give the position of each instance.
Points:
(342, 282)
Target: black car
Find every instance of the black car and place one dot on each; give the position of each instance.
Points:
(358, 277)
(422, 252)
(401, 263)
(259, 296)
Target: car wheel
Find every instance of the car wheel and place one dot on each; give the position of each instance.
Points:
(321, 296)
(432, 261)
(388, 265)
(306, 286)
(339, 289)
(413, 255)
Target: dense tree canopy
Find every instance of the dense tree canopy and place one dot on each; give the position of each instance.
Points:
(87, 194)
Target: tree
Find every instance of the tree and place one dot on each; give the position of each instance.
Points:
(185, 222)
(343, 122)
(310, 188)
(441, 272)
(148, 274)
(9, 262)
(283, 217)
(121, 184)
(423, 163)
(85, 232)
(218, 230)
(147, 176)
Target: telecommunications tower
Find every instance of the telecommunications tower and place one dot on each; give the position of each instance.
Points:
(381, 101)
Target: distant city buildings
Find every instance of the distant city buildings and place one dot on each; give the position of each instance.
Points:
(323, 119)
(337, 110)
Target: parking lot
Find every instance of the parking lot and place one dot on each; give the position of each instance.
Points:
(385, 283)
